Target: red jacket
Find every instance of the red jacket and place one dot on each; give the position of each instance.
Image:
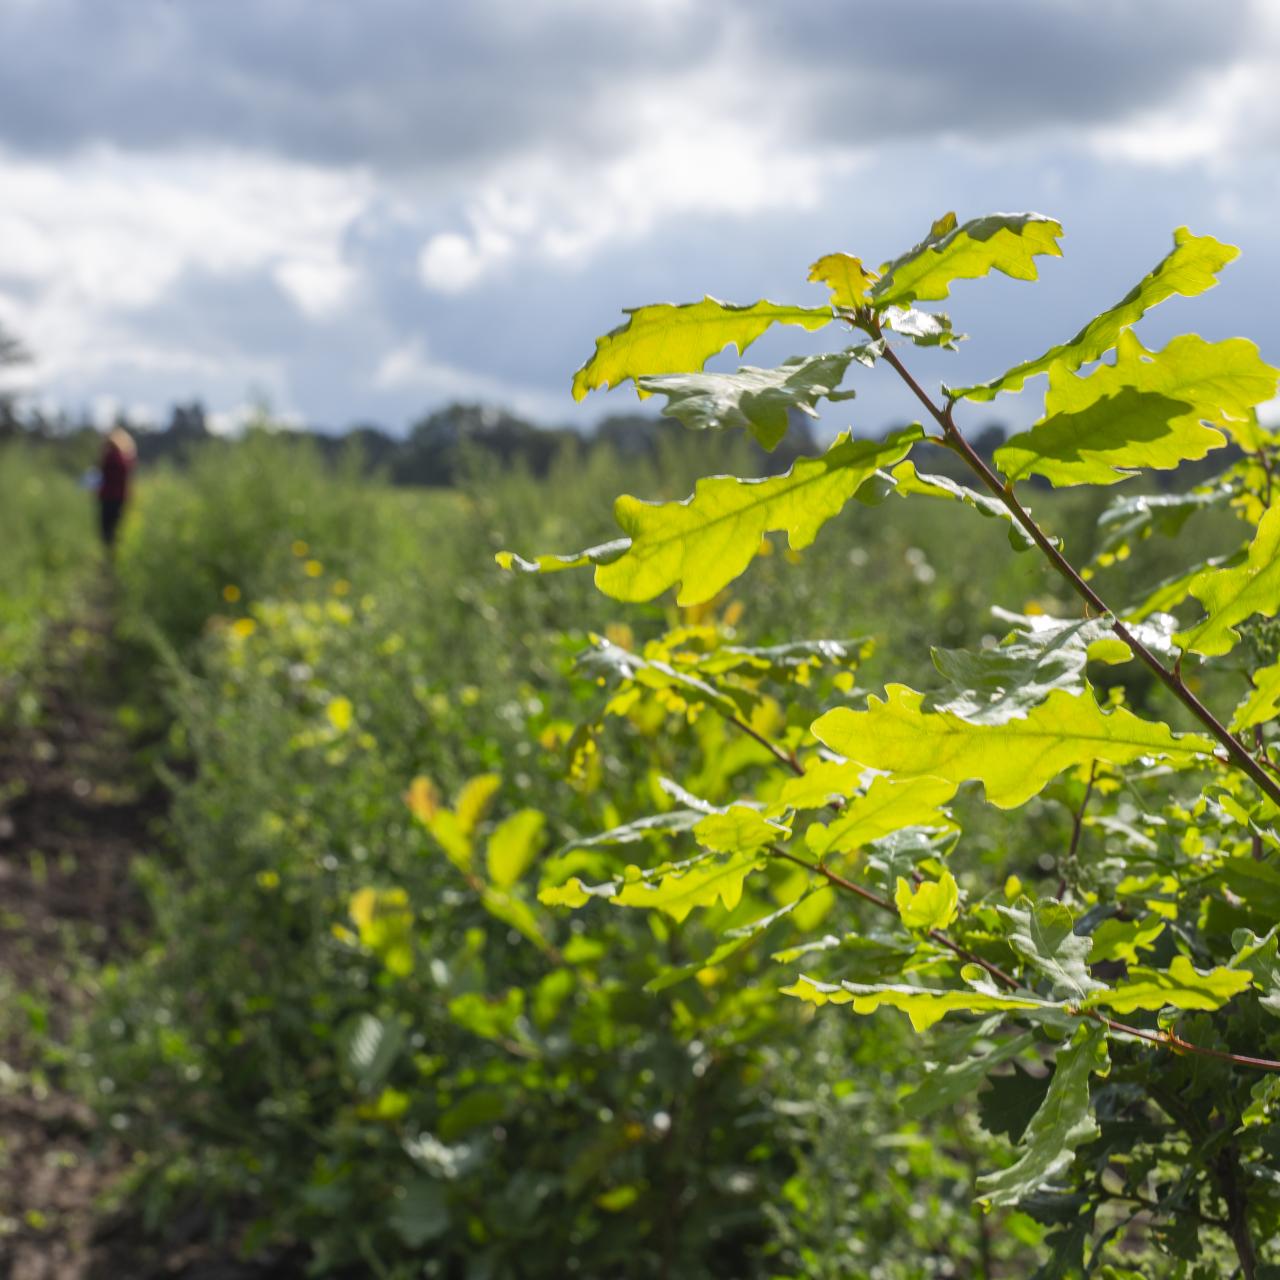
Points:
(114, 486)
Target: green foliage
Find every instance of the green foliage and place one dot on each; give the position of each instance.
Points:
(46, 531)
(1189, 269)
(1155, 898)
(504, 936)
(668, 339)
(1003, 242)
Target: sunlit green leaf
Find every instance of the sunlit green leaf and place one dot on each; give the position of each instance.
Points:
(1006, 242)
(514, 845)
(700, 883)
(932, 904)
(889, 804)
(1013, 760)
(1181, 986)
(738, 830)
(706, 541)
(667, 338)
(1189, 269)
(822, 781)
(1144, 410)
(1231, 595)
(846, 277)
(1116, 939)
(1263, 702)
(1101, 443)
(922, 1005)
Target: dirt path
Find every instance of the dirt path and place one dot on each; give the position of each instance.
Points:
(80, 799)
(75, 809)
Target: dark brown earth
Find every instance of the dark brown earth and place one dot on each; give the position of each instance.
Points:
(78, 803)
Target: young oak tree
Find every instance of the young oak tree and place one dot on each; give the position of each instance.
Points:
(1139, 1002)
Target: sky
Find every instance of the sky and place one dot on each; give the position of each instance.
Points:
(359, 212)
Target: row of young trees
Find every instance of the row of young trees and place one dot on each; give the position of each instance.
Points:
(1136, 989)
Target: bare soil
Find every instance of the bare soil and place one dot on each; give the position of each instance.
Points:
(78, 803)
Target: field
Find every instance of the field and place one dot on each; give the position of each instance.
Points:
(279, 986)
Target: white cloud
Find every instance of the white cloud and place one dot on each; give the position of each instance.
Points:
(691, 144)
(104, 233)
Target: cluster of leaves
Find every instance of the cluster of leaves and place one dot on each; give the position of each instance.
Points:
(356, 1016)
(1125, 1016)
(47, 534)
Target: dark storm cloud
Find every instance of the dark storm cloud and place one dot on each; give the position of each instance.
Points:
(397, 82)
(999, 67)
(409, 84)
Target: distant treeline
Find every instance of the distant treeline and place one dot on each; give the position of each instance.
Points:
(438, 446)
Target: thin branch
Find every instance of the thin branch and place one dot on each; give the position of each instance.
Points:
(784, 758)
(1077, 825)
(1172, 679)
(1163, 1039)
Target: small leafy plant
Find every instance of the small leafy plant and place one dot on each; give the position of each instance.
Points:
(1120, 993)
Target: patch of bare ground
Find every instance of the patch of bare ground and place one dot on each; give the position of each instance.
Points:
(78, 803)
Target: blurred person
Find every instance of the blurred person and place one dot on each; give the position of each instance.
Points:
(118, 456)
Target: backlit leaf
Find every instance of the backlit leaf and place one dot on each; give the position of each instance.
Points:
(475, 798)
(889, 804)
(932, 904)
(667, 338)
(1093, 445)
(1013, 760)
(1232, 595)
(384, 920)
(739, 829)
(514, 845)
(706, 541)
(700, 883)
(822, 780)
(922, 1005)
(846, 277)
(1263, 702)
(1189, 269)
(1006, 242)
(605, 553)
(1146, 409)
(1116, 939)
(1181, 986)
(1063, 1122)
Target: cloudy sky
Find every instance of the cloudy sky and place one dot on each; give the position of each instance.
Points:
(363, 210)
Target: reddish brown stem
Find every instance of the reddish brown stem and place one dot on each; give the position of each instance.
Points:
(1237, 752)
(1164, 1040)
